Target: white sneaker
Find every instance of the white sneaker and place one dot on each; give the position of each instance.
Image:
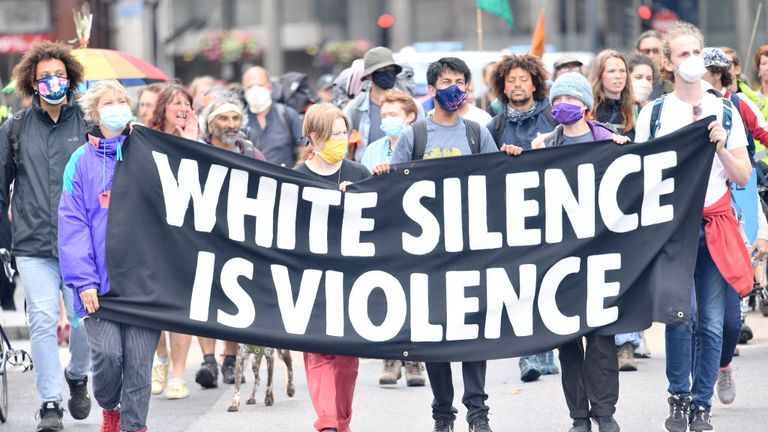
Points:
(159, 378)
(726, 386)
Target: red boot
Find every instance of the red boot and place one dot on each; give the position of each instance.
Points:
(110, 421)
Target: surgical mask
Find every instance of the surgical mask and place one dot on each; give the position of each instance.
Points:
(392, 126)
(334, 150)
(692, 69)
(259, 99)
(567, 113)
(451, 98)
(384, 79)
(641, 88)
(53, 89)
(115, 117)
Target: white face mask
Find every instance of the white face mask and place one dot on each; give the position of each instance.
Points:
(692, 69)
(259, 99)
(641, 88)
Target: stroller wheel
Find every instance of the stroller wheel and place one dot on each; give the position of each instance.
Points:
(746, 334)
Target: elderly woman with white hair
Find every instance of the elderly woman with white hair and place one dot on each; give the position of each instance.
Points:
(121, 353)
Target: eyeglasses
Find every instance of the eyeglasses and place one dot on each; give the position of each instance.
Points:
(649, 51)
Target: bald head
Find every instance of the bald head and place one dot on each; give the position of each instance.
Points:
(256, 75)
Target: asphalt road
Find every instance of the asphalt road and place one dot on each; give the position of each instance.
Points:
(515, 406)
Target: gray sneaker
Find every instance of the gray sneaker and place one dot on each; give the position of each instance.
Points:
(679, 407)
(50, 417)
(726, 386)
(700, 420)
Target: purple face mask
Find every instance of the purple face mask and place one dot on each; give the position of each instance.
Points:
(567, 113)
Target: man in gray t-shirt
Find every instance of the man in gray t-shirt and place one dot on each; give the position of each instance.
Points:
(447, 136)
(442, 141)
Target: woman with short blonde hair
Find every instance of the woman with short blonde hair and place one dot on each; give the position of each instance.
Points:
(121, 353)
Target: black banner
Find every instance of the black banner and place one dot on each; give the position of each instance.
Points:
(469, 258)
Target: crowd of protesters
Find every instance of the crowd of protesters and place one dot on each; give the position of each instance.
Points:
(58, 157)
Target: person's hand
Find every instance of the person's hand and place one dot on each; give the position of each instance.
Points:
(343, 185)
(381, 169)
(620, 139)
(90, 298)
(538, 142)
(761, 246)
(190, 130)
(717, 134)
(511, 150)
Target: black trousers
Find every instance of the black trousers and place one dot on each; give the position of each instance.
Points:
(590, 377)
(441, 381)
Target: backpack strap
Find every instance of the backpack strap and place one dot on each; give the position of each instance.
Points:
(473, 135)
(499, 125)
(281, 114)
(656, 117)
(419, 139)
(727, 115)
(16, 125)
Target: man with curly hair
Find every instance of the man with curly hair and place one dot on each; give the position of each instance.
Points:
(35, 146)
(520, 82)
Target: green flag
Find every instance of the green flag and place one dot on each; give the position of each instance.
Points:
(500, 8)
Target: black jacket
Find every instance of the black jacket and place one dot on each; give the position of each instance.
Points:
(44, 150)
(609, 112)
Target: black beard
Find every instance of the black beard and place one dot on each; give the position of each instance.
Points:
(520, 102)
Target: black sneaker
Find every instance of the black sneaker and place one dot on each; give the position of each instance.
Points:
(208, 375)
(79, 403)
(443, 425)
(700, 420)
(606, 424)
(679, 406)
(581, 425)
(480, 425)
(228, 373)
(50, 417)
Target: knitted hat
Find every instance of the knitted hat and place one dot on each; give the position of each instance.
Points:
(715, 57)
(573, 84)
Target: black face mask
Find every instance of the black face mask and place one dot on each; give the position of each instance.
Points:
(384, 79)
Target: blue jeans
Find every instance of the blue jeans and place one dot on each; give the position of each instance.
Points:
(42, 283)
(732, 327)
(700, 360)
(633, 338)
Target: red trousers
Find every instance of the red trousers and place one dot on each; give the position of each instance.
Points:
(331, 382)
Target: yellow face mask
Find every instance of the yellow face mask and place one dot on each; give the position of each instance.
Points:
(334, 150)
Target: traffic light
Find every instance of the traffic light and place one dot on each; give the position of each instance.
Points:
(385, 22)
(646, 16)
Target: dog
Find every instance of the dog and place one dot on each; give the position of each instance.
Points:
(258, 352)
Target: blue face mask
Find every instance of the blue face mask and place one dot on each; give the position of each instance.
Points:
(451, 98)
(115, 117)
(53, 89)
(392, 126)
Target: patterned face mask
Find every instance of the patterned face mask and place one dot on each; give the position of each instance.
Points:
(53, 89)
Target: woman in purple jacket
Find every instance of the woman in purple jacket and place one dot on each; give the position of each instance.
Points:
(121, 353)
